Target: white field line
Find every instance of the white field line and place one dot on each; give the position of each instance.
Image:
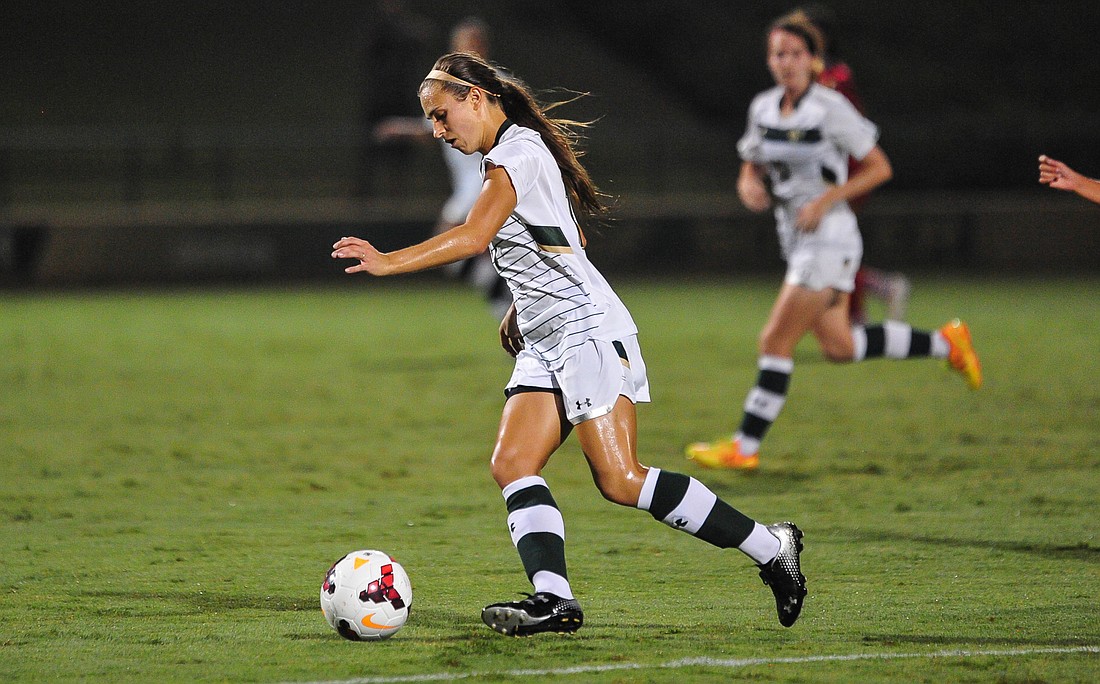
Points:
(710, 662)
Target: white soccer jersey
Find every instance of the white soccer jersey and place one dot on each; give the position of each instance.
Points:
(805, 152)
(561, 299)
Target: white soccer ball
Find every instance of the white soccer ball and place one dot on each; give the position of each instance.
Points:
(366, 596)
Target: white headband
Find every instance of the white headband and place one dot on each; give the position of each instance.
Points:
(437, 75)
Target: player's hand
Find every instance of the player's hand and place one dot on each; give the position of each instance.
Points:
(511, 339)
(370, 259)
(1057, 175)
(753, 193)
(810, 215)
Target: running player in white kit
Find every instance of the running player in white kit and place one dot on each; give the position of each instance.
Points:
(798, 140)
(578, 363)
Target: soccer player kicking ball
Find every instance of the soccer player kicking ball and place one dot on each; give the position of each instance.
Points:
(578, 363)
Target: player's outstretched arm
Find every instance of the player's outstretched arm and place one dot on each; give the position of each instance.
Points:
(493, 206)
(1057, 175)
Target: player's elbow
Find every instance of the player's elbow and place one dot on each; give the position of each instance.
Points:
(474, 236)
(882, 168)
(887, 171)
(475, 245)
(468, 244)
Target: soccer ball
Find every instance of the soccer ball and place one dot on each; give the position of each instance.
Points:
(366, 596)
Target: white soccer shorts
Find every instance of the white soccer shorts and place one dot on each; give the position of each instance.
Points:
(820, 268)
(591, 379)
(826, 258)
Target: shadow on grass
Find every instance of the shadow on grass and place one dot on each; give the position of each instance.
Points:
(432, 627)
(1081, 551)
(759, 482)
(201, 601)
(444, 626)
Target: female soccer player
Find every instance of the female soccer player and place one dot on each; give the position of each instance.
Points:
(798, 140)
(578, 363)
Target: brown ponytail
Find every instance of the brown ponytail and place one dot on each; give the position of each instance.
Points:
(520, 105)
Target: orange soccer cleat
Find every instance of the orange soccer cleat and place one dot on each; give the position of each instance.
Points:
(722, 453)
(962, 356)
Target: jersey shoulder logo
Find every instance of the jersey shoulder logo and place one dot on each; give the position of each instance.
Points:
(549, 238)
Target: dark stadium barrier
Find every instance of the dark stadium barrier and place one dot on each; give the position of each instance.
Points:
(659, 236)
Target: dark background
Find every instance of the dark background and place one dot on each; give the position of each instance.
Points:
(965, 92)
(209, 114)
(960, 89)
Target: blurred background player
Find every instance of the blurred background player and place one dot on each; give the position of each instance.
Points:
(1057, 175)
(395, 42)
(579, 366)
(799, 137)
(889, 287)
(471, 35)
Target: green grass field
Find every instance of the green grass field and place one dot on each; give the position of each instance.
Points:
(179, 469)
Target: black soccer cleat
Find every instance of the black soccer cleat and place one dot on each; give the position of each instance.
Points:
(539, 612)
(784, 575)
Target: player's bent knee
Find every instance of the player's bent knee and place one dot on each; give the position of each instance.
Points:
(507, 468)
(620, 496)
(621, 489)
(839, 354)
